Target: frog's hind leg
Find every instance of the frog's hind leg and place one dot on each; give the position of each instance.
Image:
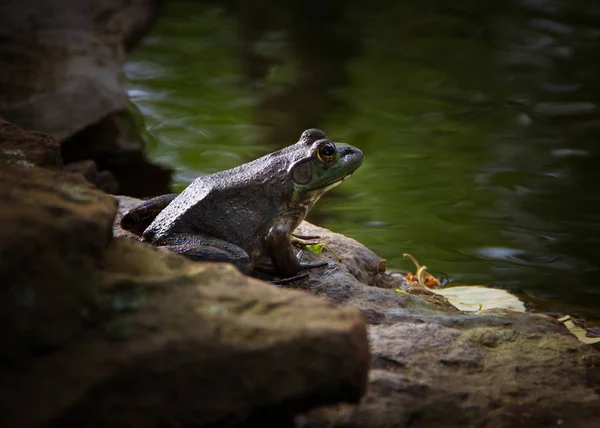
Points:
(137, 219)
(206, 248)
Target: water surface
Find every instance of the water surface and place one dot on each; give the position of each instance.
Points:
(479, 124)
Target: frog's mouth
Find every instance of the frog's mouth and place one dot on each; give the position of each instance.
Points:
(335, 183)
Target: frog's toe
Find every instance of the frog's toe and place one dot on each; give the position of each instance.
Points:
(305, 266)
(289, 280)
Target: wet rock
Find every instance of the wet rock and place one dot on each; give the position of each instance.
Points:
(54, 228)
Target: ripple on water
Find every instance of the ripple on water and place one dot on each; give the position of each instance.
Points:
(527, 258)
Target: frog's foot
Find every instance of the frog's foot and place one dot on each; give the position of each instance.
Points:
(299, 276)
(305, 266)
(289, 280)
(268, 274)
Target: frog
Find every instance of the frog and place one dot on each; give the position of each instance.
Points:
(247, 215)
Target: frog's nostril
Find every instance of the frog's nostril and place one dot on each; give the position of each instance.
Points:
(351, 151)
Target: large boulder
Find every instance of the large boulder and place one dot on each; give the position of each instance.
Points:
(61, 73)
(98, 331)
(54, 228)
(178, 343)
(61, 61)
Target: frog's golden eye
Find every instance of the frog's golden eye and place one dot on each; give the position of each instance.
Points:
(327, 152)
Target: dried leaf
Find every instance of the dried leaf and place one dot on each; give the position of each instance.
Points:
(422, 276)
(478, 298)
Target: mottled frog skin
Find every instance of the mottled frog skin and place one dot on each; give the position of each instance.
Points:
(247, 215)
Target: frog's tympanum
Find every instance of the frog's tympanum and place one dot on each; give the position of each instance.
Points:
(246, 215)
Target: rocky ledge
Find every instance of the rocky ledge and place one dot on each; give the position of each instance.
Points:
(103, 332)
(100, 330)
(434, 366)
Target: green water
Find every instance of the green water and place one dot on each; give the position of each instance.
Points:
(479, 124)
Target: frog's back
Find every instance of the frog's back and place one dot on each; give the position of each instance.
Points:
(225, 205)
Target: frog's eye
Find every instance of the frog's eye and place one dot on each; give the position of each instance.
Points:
(302, 173)
(326, 151)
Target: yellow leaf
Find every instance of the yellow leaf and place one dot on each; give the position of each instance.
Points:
(478, 298)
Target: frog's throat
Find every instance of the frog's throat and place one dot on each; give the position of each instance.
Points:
(309, 198)
(335, 183)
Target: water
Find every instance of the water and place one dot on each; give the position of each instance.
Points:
(479, 124)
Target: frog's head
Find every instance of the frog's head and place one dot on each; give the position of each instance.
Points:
(325, 165)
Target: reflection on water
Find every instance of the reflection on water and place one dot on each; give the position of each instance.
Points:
(479, 122)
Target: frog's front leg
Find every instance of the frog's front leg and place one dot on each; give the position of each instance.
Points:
(206, 248)
(279, 244)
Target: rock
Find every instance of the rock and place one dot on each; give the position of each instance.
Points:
(180, 343)
(54, 228)
(497, 369)
(62, 74)
(434, 366)
(62, 60)
(103, 332)
(27, 148)
(104, 180)
(362, 263)
(115, 145)
(360, 280)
